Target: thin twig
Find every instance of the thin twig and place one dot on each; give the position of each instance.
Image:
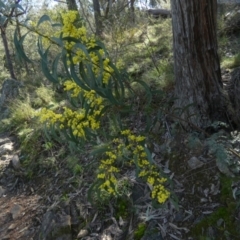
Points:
(234, 152)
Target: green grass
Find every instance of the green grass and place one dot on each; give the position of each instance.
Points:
(144, 51)
(161, 75)
(21, 115)
(22, 111)
(232, 62)
(44, 96)
(140, 230)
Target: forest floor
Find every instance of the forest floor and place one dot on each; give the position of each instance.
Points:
(19, 208)
(52, 206)
(50, 202)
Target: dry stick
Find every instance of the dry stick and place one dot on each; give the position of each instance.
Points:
(234, 152)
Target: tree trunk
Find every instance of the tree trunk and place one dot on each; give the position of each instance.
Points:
(196, 62)
(7, 53)
(132, 13)
(97, 17)
(72, 5)
(109, 6)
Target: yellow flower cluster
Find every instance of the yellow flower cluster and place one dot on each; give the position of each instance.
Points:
(78, 57)
(73, 87)
(107, 173)
(70, 30)
(151, 174)
(148, 171)
(76, 120)
(160, 193)
(49, 116)
(135, 149)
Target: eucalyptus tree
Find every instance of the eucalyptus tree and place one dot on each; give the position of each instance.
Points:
(199, 88)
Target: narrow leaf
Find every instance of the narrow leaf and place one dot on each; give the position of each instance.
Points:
(44, 64)
(76, 79)
(56, 25)
(43, 19)
(19, 46)
(64, 61)
(100, 149)
(55, 66)
(58, 41)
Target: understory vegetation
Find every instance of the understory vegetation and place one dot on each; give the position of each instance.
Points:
(99, 112)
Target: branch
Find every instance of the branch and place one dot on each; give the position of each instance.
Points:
(60, 1)
(10, 15)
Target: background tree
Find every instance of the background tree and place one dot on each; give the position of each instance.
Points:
(196, 62)
(72, 5)
(132, 13)
(97, 17)
(7, 12)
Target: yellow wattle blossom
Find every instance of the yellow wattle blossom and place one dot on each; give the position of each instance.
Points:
(80, 33)
(143, 173)
(148, 171)
(126, 132)
(140, 138)
(72, 86)
(91, 43)
(127, 145)
(101, 175)
(76, 120)
(160, 193)
(151, 180)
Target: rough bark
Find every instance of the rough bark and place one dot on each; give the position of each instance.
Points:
(196, 62)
